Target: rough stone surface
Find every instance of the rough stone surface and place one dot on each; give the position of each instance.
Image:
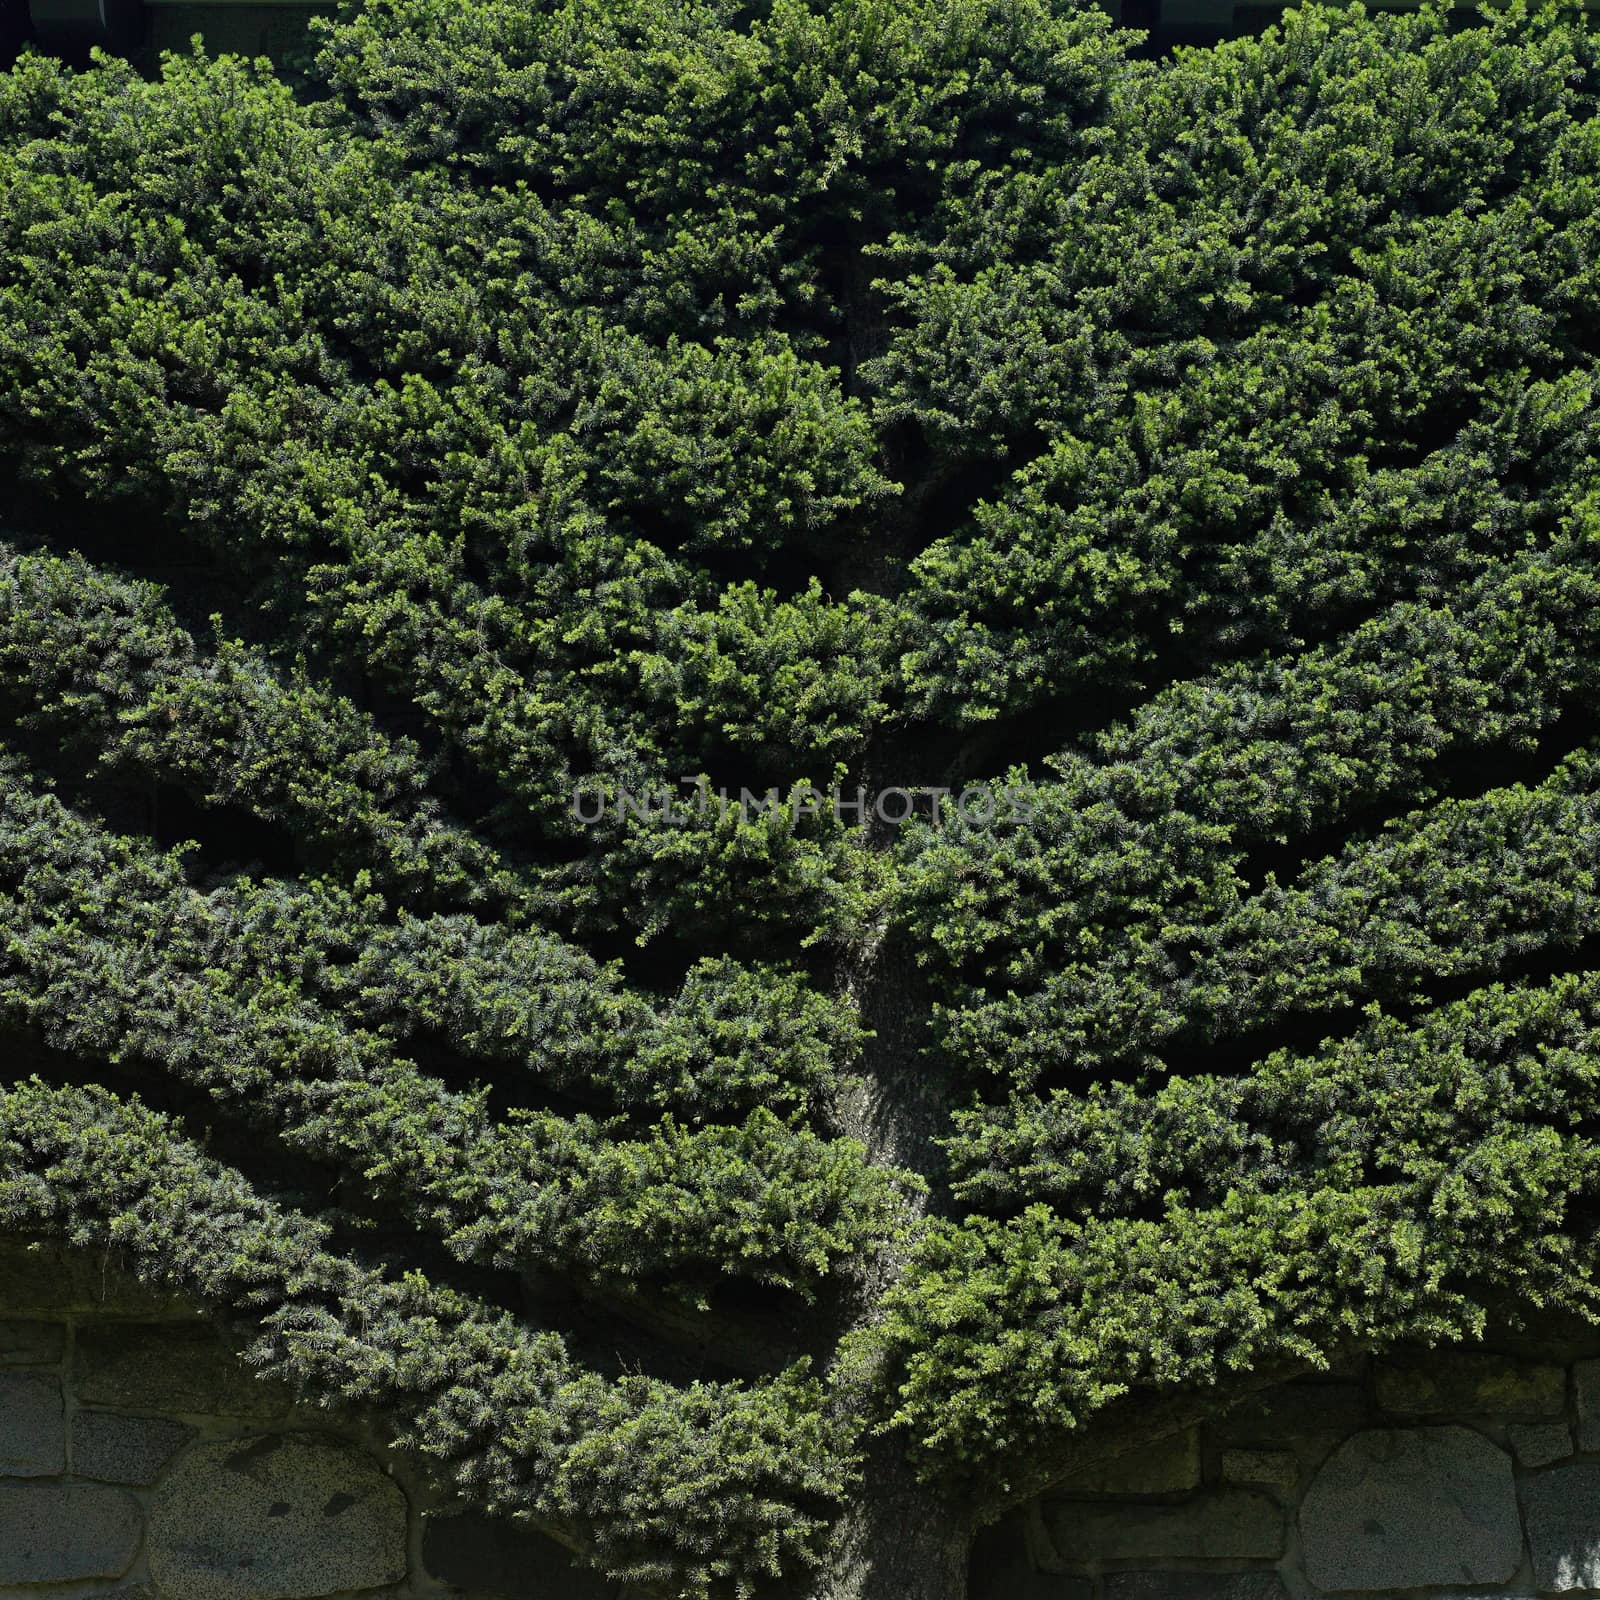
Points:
(65, 1532)
(1444, 1382)
(34, 1277)
(1000, 1568)
(1410, 1508)
(119, 1449)
(42, 1277)
(1280, 1469)
(493, 1558)
(170, 1367)
(31, 1344)
(1586, 1383)
(1538, 1444)
(1555, 1335)
(1293, 1413)
(1562, 1511)
(1428, 1507)
(32, 1437)
(1349, 1364)
(1165, 1466)
(281, 1517)
(1229, 1524)
(1195, 1586)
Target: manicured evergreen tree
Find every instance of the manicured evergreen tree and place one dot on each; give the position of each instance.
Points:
(499, 529)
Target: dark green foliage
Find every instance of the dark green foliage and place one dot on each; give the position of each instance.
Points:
(1386, 1104)
(101, 667)
(110, 954)
(1374, 1190)
(1161, 814)
(508, 1411)
(469, 504)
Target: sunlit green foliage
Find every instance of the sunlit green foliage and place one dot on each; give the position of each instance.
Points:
(471, 503)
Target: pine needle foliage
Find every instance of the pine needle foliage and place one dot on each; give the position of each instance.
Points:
(477, 510)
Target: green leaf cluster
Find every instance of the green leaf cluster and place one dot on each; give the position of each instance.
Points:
(433, 483)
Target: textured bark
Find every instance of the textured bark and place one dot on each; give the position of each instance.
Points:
(899, 1540)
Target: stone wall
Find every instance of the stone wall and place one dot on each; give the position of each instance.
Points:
(140, 1458)
(1442, 1471)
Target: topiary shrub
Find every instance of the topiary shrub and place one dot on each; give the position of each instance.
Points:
(756, 756)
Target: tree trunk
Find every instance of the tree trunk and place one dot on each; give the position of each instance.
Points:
(898, 1540)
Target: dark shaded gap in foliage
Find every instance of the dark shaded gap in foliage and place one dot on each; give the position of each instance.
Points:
(280, 1173)
(1467, 772)
(1308, 1031)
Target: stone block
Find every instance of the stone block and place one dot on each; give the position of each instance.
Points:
(1278, 1469)
(497, 1559)
(1562, 1510)
(1000, 1568)
(1538, 1444)
(1411, 1508)
(41, 1277)
(106, 1285)
(1195, 1586)
(1450, 1382)
(1164, 1466)
(1586, 1385)
(65, 1532)
(1293, 1413)
(32, 1432)
(1547, 1334)
(32, 1344)
(172, 1367)
(1348, 1365)
(281, 1517)
(118, 1449)
(34, 1277)
(1227, 1525)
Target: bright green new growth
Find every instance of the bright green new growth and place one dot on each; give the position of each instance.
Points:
(437, 479)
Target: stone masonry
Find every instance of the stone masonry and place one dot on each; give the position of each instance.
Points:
(141, 1459)
(1444, 1471)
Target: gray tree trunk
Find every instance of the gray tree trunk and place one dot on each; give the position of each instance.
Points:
(898, 1540)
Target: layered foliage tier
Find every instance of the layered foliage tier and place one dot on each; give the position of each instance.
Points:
(468, 501)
